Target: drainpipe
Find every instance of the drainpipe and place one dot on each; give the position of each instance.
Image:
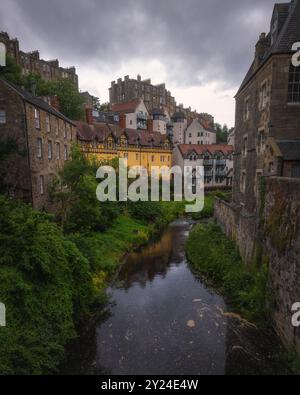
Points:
(27, 148)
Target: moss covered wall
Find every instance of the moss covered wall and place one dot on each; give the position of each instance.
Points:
(280, 222)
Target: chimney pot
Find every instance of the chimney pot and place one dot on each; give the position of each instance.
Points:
(89, 116)
(54, 102)
(122, 121)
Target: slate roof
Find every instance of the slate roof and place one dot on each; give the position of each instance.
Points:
(187, 149)
(36, 101)
(290, 149)
(289, 33)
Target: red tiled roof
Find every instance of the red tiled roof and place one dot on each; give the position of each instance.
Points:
(186, 149)
(101, 131)
(128, 107)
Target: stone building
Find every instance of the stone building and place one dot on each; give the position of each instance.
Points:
(104, 142)
(43, 136)
(263, 217)
(31, 63)
(268, 108)
(154, 96)
(216, 159)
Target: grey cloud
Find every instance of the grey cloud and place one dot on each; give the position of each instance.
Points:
(197, 40)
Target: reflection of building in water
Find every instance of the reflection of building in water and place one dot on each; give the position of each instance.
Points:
(153, 261)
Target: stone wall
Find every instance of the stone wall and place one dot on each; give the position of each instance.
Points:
(238, 226)
(281, 241)
(275, 233)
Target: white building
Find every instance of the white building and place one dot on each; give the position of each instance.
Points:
(192, 132)
(136, 114)
(197, 134)
(216, 159)
(179, 127)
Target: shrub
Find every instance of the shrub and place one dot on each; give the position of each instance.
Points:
(45, 281)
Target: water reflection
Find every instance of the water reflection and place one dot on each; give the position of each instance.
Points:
(164, 320)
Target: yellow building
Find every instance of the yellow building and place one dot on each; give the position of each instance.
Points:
(105, 142)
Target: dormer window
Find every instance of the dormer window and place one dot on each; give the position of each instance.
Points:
(274, 29)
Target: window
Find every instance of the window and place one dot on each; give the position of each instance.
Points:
(294, 85)
(261, 141)
(247, 109)
(49, 149)
(245, 144)
(65, 152)
(42, 185)
(57, 127)
(58, 151)
(2, 117)
(153, 158)
(65, 131)
(137, 156)
(264, 95)
(39, 145)
(48, 126)
(243, 182)
(296, 170)
(37, 120)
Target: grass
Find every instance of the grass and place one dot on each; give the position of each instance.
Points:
(105, 251)
(213, 254)
(209, 202)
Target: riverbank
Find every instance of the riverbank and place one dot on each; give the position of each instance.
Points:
(52, 281)
(212, 255)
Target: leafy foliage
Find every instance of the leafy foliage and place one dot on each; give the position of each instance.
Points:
(45, 281)
(209, 202)
(80, 209)
(12, 72)
(210, 252)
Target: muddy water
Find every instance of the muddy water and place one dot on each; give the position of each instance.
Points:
(164, 320)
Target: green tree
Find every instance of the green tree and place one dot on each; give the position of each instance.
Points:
(222, 133)
(80, 210)
(45, 283)
(12, 72)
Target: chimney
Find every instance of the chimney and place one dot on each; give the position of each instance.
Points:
(261, 48)
(122, 121)
(150, 124)
(33, 87)
(89, 116)
(54, 102)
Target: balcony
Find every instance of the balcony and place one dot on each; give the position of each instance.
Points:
(208, 173)
(208, 162)
(142, 117)
(221, 162)
(221, 173)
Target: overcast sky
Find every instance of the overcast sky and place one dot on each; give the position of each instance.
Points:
(200, 48)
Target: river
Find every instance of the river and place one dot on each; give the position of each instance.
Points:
(162, 319)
